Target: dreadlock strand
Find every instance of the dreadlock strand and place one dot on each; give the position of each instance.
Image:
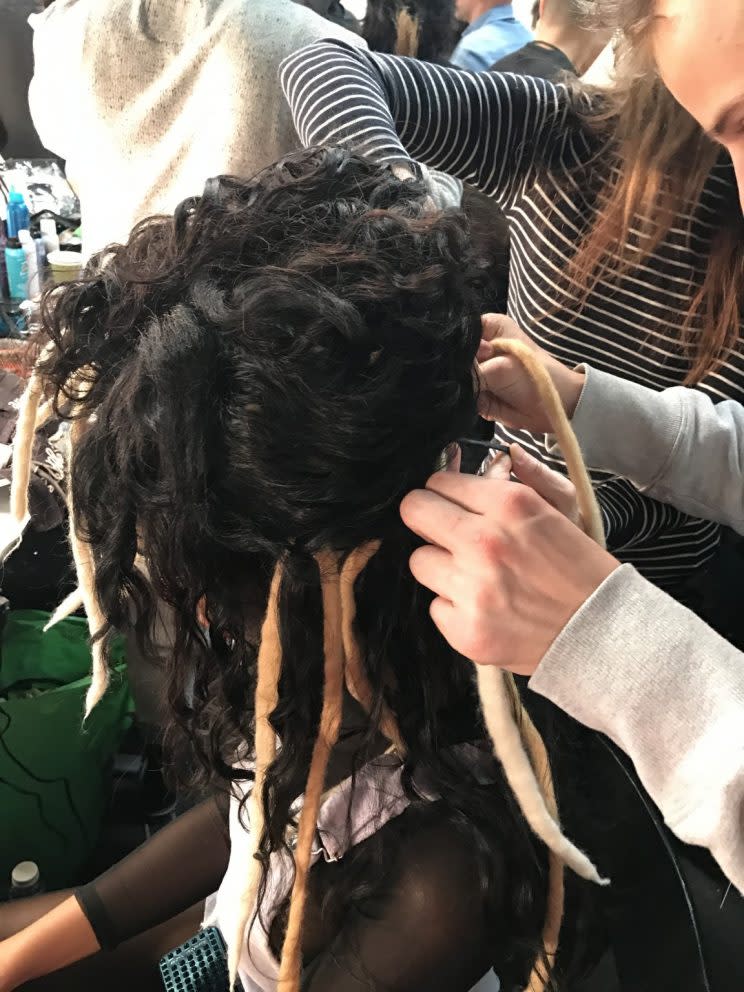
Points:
(84, 565)
(330, 721)
(554, 912)
(355, 675)
(69, 605)
(23, 445)
(563, 431)
(508, 748)
(269, 666)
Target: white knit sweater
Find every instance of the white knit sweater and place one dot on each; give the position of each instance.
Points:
(146, 99)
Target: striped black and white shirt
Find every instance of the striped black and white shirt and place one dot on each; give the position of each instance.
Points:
(519, 140)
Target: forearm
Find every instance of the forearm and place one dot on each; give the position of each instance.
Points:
(669, 691)
(486, 129)
(59, 938)
(181, 865)
(675, 446)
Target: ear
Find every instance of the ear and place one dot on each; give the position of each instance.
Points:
(541, 9)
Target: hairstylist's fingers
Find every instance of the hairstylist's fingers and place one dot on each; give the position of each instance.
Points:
(554, 488)
(485, 351)
(436, 519)
(497, 466)
(498, 325)
(448, 621)
(473, 493)
(435, 568)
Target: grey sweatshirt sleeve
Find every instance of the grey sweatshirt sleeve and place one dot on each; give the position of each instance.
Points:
(669, 691)
(676, 445)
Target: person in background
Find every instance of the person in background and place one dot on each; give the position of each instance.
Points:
(161, 94)
(423, 29)
(562, 43)
(492, 32)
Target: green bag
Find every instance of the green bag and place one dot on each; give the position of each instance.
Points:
(53, 771)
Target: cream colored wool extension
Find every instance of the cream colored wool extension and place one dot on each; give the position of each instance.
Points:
(407, 34)
(85, 567)
(23, 445)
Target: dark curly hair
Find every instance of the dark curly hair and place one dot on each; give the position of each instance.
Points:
(271, 371)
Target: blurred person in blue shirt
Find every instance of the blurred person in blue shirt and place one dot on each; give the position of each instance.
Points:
(492, 33)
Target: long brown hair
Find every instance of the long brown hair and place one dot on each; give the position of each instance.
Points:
(665, 160)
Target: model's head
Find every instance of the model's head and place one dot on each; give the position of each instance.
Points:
(255, 384)
(271, 371)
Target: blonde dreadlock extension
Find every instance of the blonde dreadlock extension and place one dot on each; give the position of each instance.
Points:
(23, 445)
(268, 672)
(330, 722)
(85, 567)
(356, 678)
(407, 31)
(32, 415)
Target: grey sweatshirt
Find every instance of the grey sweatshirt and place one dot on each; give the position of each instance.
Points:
(669, 691)
(675, 445)
(146, 99)
(635, 664)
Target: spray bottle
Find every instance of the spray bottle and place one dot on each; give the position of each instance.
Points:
(15, 265)
(18, 216)
(32, 265)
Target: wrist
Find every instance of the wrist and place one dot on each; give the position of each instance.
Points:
(570, 385)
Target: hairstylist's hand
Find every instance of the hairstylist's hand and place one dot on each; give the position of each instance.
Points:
(556, 489)
(508, 570)
(507, 393)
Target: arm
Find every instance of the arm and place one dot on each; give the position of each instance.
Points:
(676, 445)
(518, 586)
(61, 937)
(487, 129)
(188, 859)
(669, 691)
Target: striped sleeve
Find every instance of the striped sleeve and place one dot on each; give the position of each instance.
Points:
(488, 129)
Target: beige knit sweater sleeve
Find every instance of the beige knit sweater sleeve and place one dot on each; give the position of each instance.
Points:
(669, 691)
